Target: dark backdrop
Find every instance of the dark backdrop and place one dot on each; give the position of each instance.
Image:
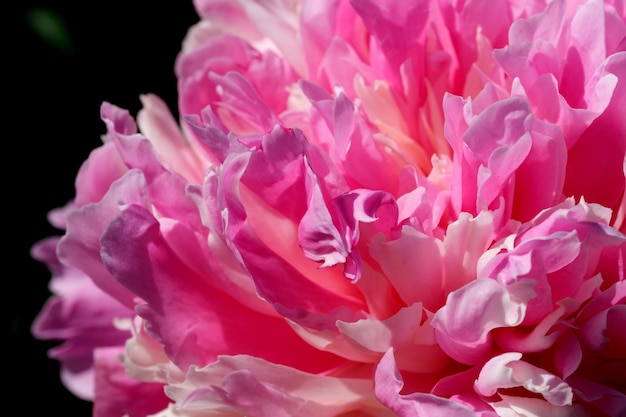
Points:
(117, 51)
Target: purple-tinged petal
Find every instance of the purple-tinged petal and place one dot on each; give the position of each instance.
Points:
(219, 55)
(80, 315)
(599, 398)
(80, 246)
(349, 141)
(219, 143)
(343, 66)
(364, 206)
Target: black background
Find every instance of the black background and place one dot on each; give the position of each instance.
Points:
(120, 49)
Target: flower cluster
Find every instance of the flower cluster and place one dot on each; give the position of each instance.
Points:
(368, 208)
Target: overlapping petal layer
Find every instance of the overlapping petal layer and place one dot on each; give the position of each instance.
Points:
(410, 208)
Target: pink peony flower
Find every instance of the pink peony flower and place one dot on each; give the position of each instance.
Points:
(368, 208)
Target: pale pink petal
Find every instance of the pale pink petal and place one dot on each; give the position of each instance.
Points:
(508, 371)
(244, 385)
(144, 358)
(157, 123)
(414, 264)
(466, 240)
(222, 264)
(278, 21)
(512, 406)
(471, 312)
(388, 384)
(412, 339)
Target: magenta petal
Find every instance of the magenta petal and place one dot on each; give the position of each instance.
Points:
(568, 354)
(397, 26)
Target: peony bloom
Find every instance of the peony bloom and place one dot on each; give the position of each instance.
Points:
(368, 208)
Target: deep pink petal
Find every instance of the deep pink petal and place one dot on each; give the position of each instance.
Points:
(196, 322)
